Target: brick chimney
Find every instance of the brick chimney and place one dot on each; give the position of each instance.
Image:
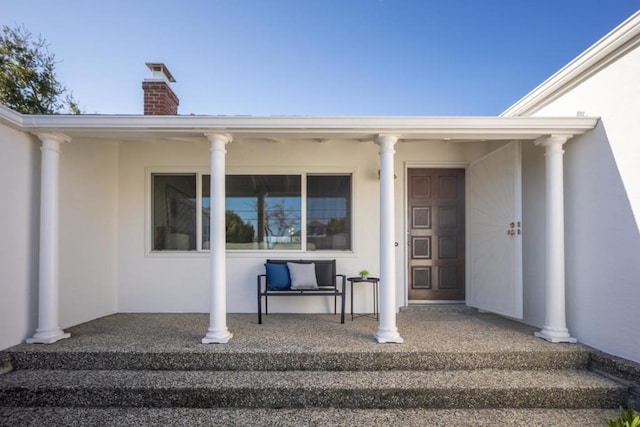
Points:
(159, 99)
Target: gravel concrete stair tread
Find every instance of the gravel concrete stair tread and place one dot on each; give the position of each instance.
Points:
(484, 378)
(19, 416)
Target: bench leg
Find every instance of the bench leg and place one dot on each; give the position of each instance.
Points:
(259, 303)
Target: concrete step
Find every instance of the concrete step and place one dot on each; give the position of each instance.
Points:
(485, 388)
(300, 361)
(189, 417)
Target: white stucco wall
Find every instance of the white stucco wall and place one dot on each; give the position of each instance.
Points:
(602, 250)
(88, 230)
(179, 283)
(19, 192)
(533, 234)
(602, 208)
(613, 94)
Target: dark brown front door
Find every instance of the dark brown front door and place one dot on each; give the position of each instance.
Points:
(436, 234)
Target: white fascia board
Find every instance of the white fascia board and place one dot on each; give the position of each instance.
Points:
(609, 48)
(311, 127)
(11, 118)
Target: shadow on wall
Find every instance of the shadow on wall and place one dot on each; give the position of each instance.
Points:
(533, 233)
(602, 248)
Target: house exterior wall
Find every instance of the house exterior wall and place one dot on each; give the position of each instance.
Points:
(88, 230)
(613, 94)
(602, 208)
(162, 282)
(533, 234)
(19, 235)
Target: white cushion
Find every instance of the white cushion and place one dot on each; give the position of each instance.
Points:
(303, 276)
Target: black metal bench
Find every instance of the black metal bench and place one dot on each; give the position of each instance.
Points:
(326, 277)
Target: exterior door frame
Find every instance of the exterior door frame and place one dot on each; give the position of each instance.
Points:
(405, 213)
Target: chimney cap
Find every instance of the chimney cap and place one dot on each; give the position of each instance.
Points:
(159, 71)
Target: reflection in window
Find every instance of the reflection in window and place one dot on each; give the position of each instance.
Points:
(262, 212)
(206, 211)
(328, 212)
(174, 212)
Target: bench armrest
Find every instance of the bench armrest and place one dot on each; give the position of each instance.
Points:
(260, 281)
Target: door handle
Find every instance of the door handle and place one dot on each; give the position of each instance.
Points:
(513, 230)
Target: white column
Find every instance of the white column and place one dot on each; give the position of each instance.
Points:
(218, 332)
(387, 330)
(49, 330)
(555, 327)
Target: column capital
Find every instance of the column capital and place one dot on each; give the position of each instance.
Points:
(52, 136)
(385, 139)
(225, 138)
(51, 140)
(546, 141)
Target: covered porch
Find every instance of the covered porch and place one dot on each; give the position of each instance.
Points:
(142, 146)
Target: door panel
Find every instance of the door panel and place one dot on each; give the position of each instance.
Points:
(495, 242)
(436, 234)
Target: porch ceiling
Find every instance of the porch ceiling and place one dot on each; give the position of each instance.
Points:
(460, 129)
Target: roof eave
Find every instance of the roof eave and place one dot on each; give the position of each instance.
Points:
(312, 127)
(11, 118)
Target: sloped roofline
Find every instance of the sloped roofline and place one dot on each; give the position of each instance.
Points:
(612, 46)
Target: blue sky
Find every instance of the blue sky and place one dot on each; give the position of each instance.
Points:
(316, 57)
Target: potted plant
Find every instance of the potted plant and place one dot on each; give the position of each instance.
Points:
(364, 274)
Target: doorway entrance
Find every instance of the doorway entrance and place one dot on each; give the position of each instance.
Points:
(436, 234)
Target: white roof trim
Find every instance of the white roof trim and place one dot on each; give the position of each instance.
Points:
(363, 128)
(11, 118)
(615, 44)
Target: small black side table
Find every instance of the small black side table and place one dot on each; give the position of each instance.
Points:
(375, 282)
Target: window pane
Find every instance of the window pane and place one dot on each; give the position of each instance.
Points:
(329, 212)
(263, 211)
(206, 209)
(174, 212)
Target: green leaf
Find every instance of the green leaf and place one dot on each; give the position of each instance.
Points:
(28, 82)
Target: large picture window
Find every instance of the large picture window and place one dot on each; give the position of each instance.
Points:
(263, 212)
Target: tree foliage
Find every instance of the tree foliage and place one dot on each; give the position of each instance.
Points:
(237, 230)
(28, 82)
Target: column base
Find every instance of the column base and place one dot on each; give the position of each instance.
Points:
(217, 337)
(388, 337)
(556, 335)
(48, 337)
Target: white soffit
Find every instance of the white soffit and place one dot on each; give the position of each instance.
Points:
(612, 46)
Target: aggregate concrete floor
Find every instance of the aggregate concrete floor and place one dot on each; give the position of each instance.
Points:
(428, 329)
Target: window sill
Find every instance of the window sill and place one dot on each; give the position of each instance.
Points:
(257, 253)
